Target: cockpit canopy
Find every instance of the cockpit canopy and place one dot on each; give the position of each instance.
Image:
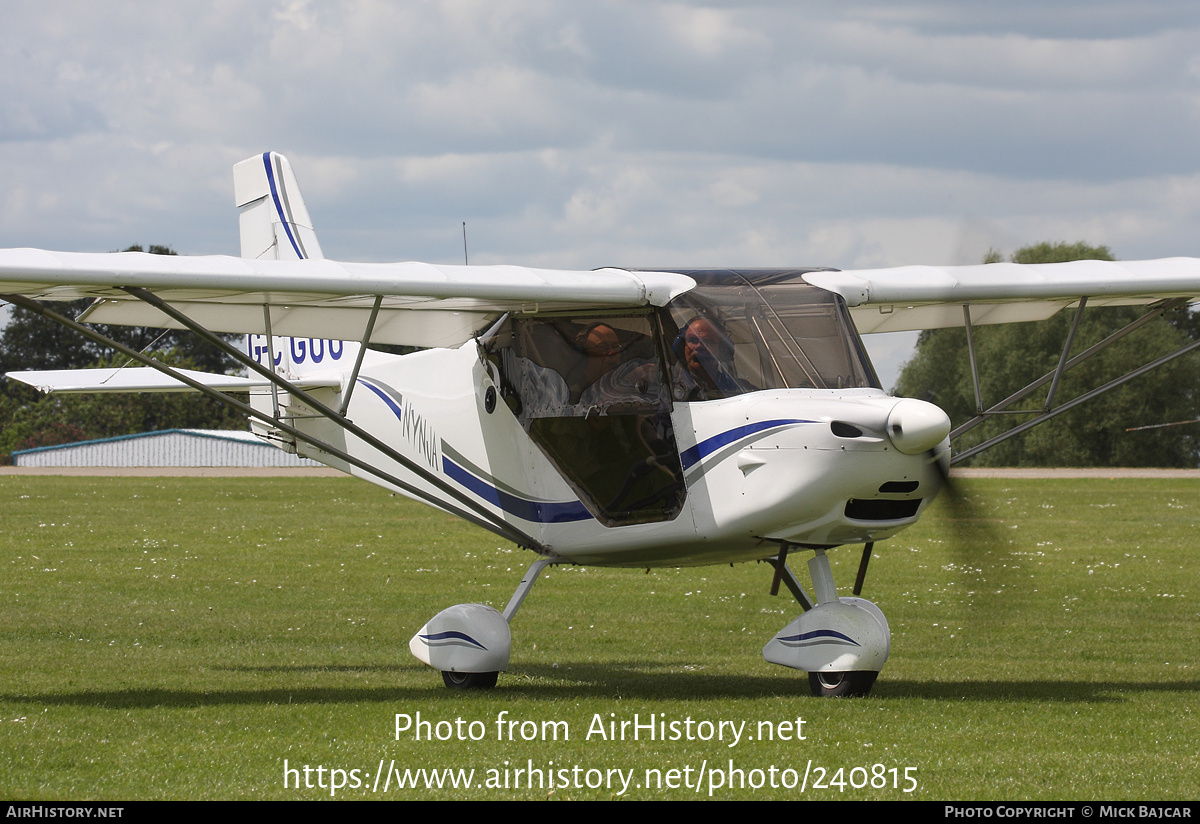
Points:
(738, 331)
(595, 390)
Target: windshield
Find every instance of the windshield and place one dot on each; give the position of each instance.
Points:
(740, 331)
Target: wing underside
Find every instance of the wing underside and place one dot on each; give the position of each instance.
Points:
(145, 379)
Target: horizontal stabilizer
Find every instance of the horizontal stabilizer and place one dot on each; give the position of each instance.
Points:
(145, 379)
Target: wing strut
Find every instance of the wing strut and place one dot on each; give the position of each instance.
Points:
(1045, 412)
(362, 350)
(971, 354)
(479, 515)
(345, 423)
(271, 356)
(1087, 396)
(1062, 359)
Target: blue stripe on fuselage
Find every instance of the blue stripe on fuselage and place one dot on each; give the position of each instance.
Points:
(695, 454)
(546, 512)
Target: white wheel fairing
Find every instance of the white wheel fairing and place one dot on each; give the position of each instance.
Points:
(849, 635)
(465, 638)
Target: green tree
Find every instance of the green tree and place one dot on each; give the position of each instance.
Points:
(1093, 434)
(29, 419)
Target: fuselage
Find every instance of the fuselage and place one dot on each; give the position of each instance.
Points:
(601, 438)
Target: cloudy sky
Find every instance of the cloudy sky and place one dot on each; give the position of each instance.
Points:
(584, 134)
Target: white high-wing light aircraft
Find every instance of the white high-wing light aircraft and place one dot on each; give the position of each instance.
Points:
(611, 418)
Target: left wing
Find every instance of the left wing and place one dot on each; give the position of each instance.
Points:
(931, 297)
(420, 304)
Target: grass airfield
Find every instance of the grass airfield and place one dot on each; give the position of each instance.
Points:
(180, 638)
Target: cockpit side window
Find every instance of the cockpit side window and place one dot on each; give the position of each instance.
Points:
(580, 366)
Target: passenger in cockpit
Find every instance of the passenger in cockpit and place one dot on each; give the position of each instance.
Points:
(611, 381)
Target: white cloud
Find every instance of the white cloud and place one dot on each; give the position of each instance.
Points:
(654, 134)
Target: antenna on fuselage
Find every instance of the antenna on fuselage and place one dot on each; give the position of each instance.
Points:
(465, 261)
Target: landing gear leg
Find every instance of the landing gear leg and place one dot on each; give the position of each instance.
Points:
(470, 643)
(784, 575)
(518, 597)
(841, 642)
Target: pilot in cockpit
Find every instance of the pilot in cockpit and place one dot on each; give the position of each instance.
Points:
(602, 352)
(705, 369)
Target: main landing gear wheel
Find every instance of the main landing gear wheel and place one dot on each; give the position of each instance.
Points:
(841, 684)
(470, 680)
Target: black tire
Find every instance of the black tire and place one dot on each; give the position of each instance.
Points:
(469, 680)
(841, 684)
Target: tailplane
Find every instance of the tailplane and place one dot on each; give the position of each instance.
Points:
(273, 219)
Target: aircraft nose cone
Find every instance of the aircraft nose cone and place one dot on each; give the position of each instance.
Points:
(916, 426)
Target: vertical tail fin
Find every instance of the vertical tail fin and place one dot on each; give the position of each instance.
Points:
(273, 219)
(275, 225)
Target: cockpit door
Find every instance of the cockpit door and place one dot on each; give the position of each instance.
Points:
(592, 393)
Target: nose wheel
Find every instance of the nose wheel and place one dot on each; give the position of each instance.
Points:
(840, 642)
(469, 680)
(842, 684)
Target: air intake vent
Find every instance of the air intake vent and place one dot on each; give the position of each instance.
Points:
(899, 486)
(881, 509)
(845, 430)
